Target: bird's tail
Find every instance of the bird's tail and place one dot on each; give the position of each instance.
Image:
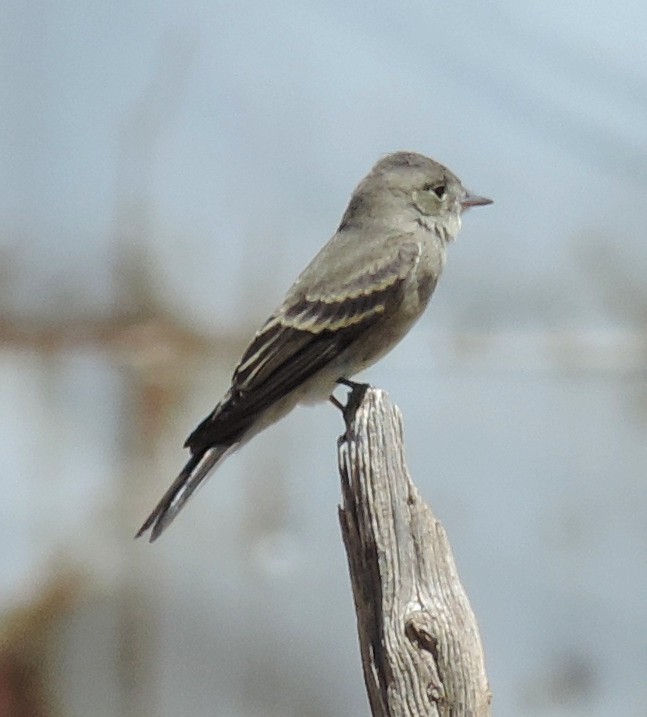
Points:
(193, 473)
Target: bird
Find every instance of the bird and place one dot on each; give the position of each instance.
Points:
(351, 305)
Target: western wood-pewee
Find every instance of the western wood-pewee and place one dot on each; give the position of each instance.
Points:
(353, 303)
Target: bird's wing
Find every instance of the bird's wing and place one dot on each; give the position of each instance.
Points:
(311, 328)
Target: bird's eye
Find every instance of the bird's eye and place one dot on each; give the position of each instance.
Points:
(438, 189)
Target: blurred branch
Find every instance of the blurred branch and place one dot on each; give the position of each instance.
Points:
(25, 636)
(136, 341)
(419, 640)
(142, 128)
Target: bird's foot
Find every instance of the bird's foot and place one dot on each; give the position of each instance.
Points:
(355, 397)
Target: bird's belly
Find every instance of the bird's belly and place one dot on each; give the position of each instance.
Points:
(358, 356)
(373, 344)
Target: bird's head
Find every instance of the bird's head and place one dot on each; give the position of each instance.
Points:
(406, 185)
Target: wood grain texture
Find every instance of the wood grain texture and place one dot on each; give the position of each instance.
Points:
(420, 644)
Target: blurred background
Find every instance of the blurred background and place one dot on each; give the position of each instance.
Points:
(167, 170)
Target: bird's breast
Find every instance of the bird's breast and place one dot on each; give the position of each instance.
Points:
(424, 277)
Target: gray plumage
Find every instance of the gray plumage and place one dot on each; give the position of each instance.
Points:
(351, 304)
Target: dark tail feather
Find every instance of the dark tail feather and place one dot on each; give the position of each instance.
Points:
(193, 473)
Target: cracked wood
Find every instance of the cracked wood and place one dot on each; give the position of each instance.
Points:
(420, 644)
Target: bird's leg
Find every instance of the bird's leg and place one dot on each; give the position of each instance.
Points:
(357, 391)
(336, 402)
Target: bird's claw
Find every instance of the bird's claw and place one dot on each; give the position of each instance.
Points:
(355, 397)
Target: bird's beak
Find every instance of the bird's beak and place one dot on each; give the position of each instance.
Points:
(473, 200)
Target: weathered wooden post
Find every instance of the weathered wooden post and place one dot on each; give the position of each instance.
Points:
(420, 645)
